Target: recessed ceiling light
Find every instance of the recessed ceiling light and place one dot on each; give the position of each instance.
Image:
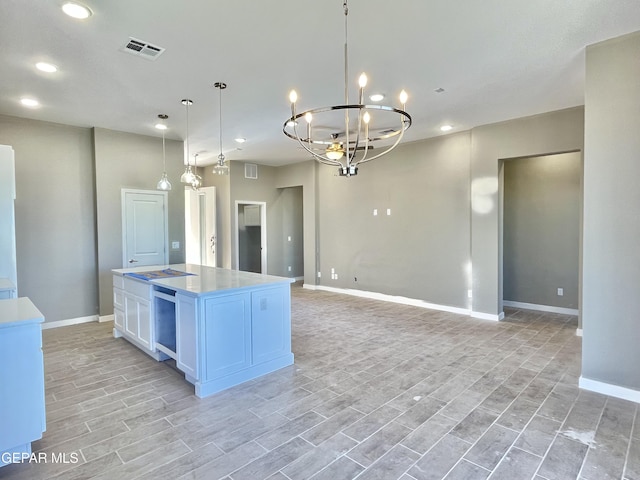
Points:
(376, 97)
(29, 102)
(46, 67)
(446, 128)
(241, 140)
(439, 90)
(76, 10)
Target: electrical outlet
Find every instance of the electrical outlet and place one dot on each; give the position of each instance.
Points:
(175, 245)
(319, 274)
(375, 212)
(388, 211)
(289, 238)
(289, 268)
(560, 292)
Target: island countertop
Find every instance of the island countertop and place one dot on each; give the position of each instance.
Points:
(205, 280)
(14, 311)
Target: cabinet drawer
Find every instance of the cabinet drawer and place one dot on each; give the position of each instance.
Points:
(118, 281)
(138, 288)
(118, 298)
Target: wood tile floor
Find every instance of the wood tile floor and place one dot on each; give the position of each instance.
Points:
(378, 391)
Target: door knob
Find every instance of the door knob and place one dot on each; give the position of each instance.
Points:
(133, 261)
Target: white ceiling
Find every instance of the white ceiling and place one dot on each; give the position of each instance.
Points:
(496, 60)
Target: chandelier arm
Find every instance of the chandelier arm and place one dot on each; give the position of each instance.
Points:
(395, 144)
(318, 157)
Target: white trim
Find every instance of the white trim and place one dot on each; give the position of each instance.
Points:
(392, 298)
(70, 321)
(578, 332)
(106, 318)
(609, 389)
(263, 233)
(487, 316)
(308, 286)
(297, 279)
(541, 308)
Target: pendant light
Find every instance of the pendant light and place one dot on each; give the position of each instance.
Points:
(197, 179)
(188, 176)
(221, 168)
(163, 183)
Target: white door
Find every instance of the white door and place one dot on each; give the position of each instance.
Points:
(144, 228)
(200, 226)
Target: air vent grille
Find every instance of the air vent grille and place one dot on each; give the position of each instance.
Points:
(142, 49)
(251, 171)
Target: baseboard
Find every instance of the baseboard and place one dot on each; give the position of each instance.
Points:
(298, 279)
(578, 332)
(390, 298)
(70, 321)
(487, 316)
(540, 308)
(608, 389)
(106, 318)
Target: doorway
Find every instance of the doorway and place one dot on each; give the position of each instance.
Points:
(145, 232)
(541, 216)
(251, 236)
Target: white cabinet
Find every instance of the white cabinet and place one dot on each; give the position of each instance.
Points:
(22, 406)
(8, 268)
(133, 312)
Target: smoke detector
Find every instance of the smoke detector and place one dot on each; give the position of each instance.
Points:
(142, 49)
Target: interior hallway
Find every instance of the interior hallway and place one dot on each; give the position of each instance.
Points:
(378, 391)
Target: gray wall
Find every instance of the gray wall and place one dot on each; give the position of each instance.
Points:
(305, 175)
(291, 201)
(55, 218)
(261, 189)
(125, 160)
(554, 132)
(421, 250)
(542, 207)
(611, 261)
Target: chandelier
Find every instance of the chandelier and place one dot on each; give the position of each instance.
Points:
(345, 135)
(221, 168)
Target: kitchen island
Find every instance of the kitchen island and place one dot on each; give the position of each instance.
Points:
(222, 327)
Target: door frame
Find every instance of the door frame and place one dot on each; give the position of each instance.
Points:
(123, 215)
(263, 234)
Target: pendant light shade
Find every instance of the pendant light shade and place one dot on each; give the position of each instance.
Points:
(163, 183)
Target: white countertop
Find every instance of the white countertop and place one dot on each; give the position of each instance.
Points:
(206, 279)
(15, 310)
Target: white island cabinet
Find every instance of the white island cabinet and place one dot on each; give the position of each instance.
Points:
(222, 327)
(22, 407)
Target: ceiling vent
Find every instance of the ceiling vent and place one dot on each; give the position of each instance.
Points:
(251, 171)
(142, 49)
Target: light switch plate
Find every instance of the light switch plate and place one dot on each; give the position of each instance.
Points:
(175, 245)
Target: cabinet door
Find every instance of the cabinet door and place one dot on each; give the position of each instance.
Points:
(22, 417)
(145, 329)
(118, 308)
(131, 315)
(226, 335)
(270, 324)
(186, 336)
